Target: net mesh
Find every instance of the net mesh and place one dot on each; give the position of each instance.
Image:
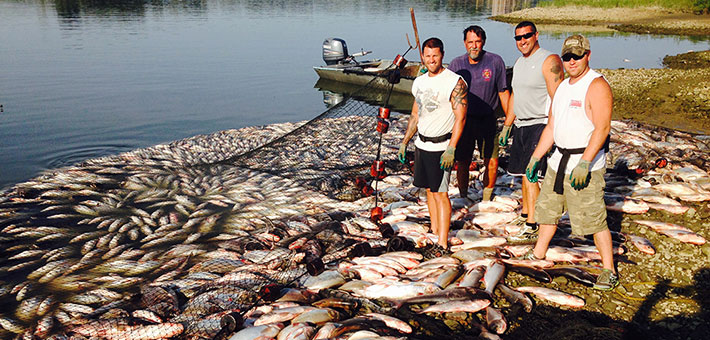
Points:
(183, 240)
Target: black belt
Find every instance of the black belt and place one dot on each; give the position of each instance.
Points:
(566, 153)
(437, 139)
(534, 118)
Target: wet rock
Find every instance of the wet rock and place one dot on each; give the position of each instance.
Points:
(561, 280)
(706, 249)
(691, 212)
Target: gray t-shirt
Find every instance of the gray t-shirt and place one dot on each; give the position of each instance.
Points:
(532, 102)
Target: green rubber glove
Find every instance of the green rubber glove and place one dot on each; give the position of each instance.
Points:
(402, 153)
(580, 176)
(531, 169)
(504, 134)
(447, 159)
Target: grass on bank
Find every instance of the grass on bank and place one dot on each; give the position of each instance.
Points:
(682, 5)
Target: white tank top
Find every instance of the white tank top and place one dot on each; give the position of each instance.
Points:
(436, 115)
(572, 128)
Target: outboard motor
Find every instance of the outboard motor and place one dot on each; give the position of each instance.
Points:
(334, 51)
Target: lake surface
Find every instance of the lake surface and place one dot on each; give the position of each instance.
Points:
(83, 79)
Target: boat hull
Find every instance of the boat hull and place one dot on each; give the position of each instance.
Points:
(363, 75)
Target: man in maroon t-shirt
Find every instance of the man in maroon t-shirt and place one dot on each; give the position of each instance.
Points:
(484, 72)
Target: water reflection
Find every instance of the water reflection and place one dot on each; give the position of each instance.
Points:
(73, 9)
(334, 92)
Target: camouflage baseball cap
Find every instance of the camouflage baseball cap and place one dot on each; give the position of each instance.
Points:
(576, 44)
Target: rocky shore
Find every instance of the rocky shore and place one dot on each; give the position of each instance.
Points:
(676, 96)
(637, 20)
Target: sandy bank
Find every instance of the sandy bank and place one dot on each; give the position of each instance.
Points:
(638, 20)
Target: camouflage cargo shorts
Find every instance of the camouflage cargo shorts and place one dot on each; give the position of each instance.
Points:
(587, 210)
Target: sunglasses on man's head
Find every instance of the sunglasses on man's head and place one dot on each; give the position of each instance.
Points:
(569, 56)
(524, 36)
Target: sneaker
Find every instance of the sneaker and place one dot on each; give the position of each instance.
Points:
(607, 280)
(520, 220)
(529, 255)
(527, 234)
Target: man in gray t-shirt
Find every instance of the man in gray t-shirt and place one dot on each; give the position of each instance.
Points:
(536, 75)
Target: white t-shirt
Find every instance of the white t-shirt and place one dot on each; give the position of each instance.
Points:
(436, 115)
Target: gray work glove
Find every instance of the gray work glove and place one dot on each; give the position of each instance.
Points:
(402, 153)
(504, 134)
(447, 159)
(580, 176)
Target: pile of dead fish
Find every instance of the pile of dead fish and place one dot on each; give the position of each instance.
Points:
(175, 241)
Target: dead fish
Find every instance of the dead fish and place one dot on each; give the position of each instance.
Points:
(470, 306)
(514, 296)
(317, 316)
(574, 273)
(281, 315)
(452, 294)
(493, 275)
(399, 290)
(642, 244)
(296, 331)
(671, 208)
(326, 279)
(472, 277)
(159, 331)
(444, 279)
(535, 273)
(391, 322)
(676, 231)
(556, 296)
(495, 320)
(629, 206)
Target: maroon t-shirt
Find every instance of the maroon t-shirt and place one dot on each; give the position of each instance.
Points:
(485, 79)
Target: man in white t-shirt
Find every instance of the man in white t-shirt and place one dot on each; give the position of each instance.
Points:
(438, 114)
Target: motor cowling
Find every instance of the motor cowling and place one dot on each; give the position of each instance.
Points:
(334, 51)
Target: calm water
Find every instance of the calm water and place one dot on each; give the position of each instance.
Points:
(82, 79)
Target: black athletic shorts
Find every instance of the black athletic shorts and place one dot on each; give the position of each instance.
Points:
(478, 132)
(524, 143)
(428, 173)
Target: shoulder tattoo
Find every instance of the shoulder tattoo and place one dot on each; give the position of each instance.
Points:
(458, 95)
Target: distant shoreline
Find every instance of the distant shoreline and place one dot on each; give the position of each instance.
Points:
(644, 20)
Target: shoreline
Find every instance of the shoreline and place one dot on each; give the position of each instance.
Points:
(676, 96)
(643, 20)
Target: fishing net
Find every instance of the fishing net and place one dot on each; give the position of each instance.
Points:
(335, 147)
(184, 239)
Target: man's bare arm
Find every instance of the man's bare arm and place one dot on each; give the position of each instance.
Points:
(510, 114)
(553, 72)
(412, 124)
(504, 97)
(599, 107)
(546, 138)
(459, 102)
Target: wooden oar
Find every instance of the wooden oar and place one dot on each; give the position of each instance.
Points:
(416, 34)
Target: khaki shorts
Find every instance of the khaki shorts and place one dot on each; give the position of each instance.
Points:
(587, 210)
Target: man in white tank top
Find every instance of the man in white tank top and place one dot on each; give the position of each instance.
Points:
(536, 75)
(579, 123)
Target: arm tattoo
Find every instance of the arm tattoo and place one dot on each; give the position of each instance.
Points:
(458, 95)
(556, 70)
